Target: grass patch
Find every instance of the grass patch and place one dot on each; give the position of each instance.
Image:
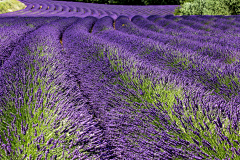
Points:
(11, 6)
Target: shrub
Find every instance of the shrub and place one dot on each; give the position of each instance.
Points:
(185, 1)
(11, 6)
(234, 6)
(208, 7)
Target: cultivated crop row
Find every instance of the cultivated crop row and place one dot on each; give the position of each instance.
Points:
(129, 87)
(12, 30)
(80, 9)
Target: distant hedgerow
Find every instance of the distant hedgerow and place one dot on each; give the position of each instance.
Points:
(209, 7)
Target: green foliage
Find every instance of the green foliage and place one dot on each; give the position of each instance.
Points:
(234, 6)
(11, 6)
(215, 8)
(177, 11)
(185, 1)
(208, 7)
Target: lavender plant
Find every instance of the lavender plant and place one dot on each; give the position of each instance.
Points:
(206, 138)
(12, 33)
(44, 100)
(102, 87)
(141, 93)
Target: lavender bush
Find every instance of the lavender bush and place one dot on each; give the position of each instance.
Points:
(91, 81)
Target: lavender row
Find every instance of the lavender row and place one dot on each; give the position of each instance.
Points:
(193, 27)
(210, 31)
(42, 109)
(179, 61)
(84, 46)
(207, 75)
(12, 32)
(217, 19)
(231, 17)
(181, 31)
(83, 49)
(126, 9)
(44, 8)
(212, 50)
(223, 28)
(232, 71)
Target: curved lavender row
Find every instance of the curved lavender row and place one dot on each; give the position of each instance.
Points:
(209, 65)
(175, 59)
(91, 74)
(56, 93)
(83, 12)
(62, 11)
(73, 12)
(102, 13)
(209, 31)
(110, 13)
(65, 8)
(65, 11)
(78, 14)
(225, 25)
(57, 9)
(80, 10)
(154, 9)
(203, 103)
(39, 12)
(156, 28)
(215, 22)
(105, 23)
(94, 12)
(231, 17)
(229, 114)
(189, 21)
(98, 43)
(43, 6)
(222, 24)
(131, 132)
(6, 20)
(230, 71)
(84, 56)
(50, 9)
(11, 36)
(202, 69)
(182, 31)
(87, 12)
(126, 10)
(219, 48)
(35, 9)
(73, 8)
(212, 50)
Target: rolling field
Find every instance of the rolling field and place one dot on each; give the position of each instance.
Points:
(90, 81)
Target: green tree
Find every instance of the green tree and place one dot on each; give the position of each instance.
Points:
(208, 7)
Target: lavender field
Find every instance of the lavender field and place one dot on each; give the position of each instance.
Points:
(85, 81)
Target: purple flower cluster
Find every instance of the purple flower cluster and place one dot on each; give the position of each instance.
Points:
(200, 67)
(50, 8)
(43, 113)
(84, 48)
(12, 31)
(104, 83)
